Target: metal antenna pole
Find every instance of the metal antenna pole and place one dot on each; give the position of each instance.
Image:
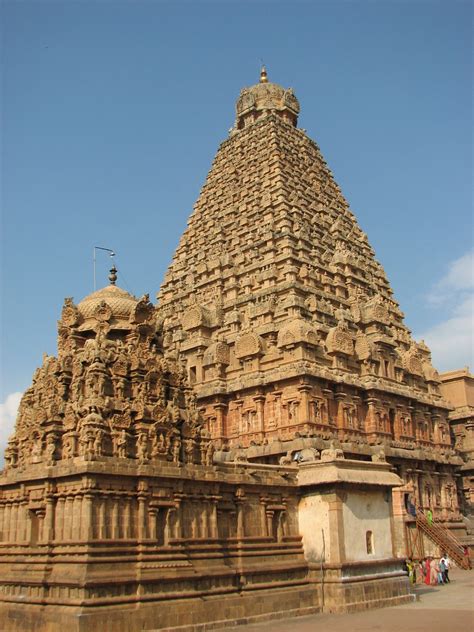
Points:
(111, 253)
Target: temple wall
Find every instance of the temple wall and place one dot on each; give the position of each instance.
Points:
(313, 514)
(364, 513)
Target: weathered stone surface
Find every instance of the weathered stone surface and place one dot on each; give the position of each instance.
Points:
(315, 342)
(168, 468)
(458, 388)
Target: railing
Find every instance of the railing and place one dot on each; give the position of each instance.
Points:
(443, 537)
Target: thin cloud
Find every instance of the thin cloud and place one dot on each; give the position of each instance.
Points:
(8, 412)
(459, 279)
(452, 340)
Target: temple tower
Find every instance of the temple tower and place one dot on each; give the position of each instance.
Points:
(286, 320)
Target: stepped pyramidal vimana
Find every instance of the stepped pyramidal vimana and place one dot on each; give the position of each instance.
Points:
(264, 441)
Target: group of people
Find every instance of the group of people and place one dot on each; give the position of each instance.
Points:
(431, 571)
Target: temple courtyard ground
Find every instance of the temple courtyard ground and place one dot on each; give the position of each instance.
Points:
(447, 608)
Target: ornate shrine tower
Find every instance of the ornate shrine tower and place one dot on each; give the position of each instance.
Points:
(286, 320)
(115, 515)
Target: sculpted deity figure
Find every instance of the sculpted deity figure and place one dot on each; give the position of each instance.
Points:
(98, 441)
(350, 417)
(189, 451)
(176, 450)
(11, 453)
(51, 441)
(121, 444)
(36, 448)
(142, 446)
(317, 410)
(209, 460)
(159, 444)
(86, 440)
(69, 446)
(119, 385)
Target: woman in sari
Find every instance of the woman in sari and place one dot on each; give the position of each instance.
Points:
(433, 572)
(427, 571)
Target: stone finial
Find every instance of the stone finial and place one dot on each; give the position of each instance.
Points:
(263, 75)
(113, 275)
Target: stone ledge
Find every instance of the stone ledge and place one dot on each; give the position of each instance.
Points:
(347, 471)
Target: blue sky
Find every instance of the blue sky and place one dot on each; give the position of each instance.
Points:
(113, 111)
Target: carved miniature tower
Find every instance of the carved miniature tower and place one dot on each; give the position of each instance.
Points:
(287, 321)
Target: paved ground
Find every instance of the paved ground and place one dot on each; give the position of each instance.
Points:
(447, 608)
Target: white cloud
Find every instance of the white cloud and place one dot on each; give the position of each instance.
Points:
(452, 340)
(458, 279)
(8, 411)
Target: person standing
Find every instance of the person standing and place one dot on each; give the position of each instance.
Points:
(441, 571)
(446, 563)
(428, 571)
(429, 517)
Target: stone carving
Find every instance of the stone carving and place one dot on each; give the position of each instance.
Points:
(105, 384)
(332, 453)
(412, 362)
(217, 353)
(308, 455)
(295, 332)
(339, 340)
(249, 344)
(196, 316)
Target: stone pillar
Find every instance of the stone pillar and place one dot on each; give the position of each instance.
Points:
(337, 553)
(263, 516)
(194, 508)
(166, 525)
(6, 522)
(48, 523)
(87, 517)
(277, 409)
(340, 398)
(115, 518)
(24, 522)
(398, 422)
(220, 409)
(239, 505)
(260, 404)
(76, 518)
(2, 519)
(269, 522)
(142, 511)
(371, 419)
(204, 521)
(126, 519)
(102, 518)
(213, 530)
(14, 523)
(305, 411)
(41, 515)
(59, 518)
(68, 518)
(178, 521)
(152, 519)
(357, 412)
(240, 519)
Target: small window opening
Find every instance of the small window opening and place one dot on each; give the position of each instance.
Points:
(369, 541)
